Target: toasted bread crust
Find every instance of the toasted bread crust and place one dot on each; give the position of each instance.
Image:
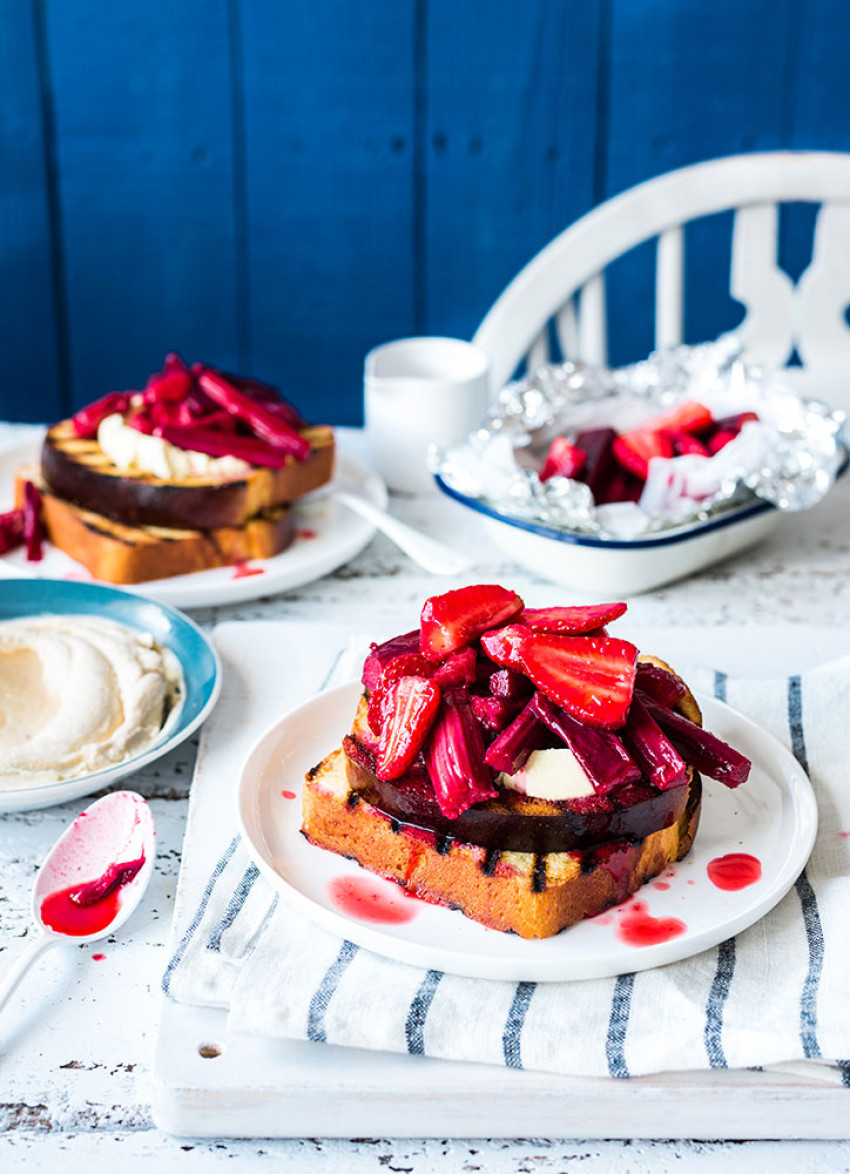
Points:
(533, 896)
(80, 472)
(118, 553)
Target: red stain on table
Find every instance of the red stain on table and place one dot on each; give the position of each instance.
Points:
(735, 871)
(98, 957)
(243, 571)
(368, 900)
(638, 927)
(288, 794)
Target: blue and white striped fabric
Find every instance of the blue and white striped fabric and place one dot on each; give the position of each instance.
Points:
(775, 995)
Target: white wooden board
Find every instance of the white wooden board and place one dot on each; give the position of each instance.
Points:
(271, 1088)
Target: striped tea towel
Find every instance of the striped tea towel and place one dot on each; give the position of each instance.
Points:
(774, 995)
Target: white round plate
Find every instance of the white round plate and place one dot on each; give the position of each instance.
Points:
(20, 598)
(773, 817)
(327, 535)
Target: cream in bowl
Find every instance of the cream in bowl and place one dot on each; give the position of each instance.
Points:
(79, 694)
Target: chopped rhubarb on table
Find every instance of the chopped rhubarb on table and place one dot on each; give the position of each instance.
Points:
(414, 705)
(689, 416)
(33, 526)
(592, 677)
(455, 758)
(511, 749)
(87, 420)
(11, 530)
(380, 656)
(571, 621)
(459, 669)
(634, 450)
(224, 444)
(267, 425)
(502, 645)
(495, 713)
(700, 749)
(598, 446)
(456, 618)
(662, 685)
(602, 756)
(409, 664)
(509, 685)
(656, 756)
(562, 460)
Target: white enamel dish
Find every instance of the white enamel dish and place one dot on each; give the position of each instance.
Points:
(773, 817)
(327, 536)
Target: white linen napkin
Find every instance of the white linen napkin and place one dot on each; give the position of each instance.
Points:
(775, 995)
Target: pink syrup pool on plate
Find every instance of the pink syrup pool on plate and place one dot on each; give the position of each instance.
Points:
(737, 870)
(369, 900)
(637, 926)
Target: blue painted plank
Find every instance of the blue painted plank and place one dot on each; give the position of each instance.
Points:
(509, 141)
(30, 387)
(690, 81)
(144, 151)
(329, 92)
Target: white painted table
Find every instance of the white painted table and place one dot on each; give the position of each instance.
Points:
(75, 1047)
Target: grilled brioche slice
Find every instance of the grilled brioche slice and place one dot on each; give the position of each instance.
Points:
(531, 893)
(120, 553)
(535, 896)
(79, 471)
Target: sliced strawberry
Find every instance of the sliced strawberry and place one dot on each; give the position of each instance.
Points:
(634, 450)
(592, 677)
(720, 440)
(455, 619)
(380, 656)
(502, 645)
(571, 621)
(562, 460)
(415, 702)
(688, 446)
(461, 668)
(410, 664)
(689, 416)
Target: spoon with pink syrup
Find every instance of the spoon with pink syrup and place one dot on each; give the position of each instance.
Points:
(92, 880)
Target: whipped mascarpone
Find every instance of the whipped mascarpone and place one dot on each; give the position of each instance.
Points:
(77, 694)
(550, 774)
(130, 450)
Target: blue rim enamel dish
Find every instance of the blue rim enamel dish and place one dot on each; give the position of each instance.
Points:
(594, 565)
(23, 598)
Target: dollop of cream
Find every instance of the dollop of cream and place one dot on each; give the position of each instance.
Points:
(78, 694)
(133, 451)
(550, 774)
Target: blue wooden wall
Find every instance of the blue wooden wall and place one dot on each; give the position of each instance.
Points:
(276, 187)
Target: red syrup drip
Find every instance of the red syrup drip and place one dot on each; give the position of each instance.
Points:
(85, 909)
(662, 886)
(307, 533)
(288, 795)
(735, 871)
(638, 927)
(60, 913)
(98, 957)
(243, 571)
(365, 899)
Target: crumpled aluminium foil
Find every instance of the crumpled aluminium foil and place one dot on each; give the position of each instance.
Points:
(790, 458)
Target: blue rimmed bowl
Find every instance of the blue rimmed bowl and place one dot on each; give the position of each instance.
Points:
(23, 598)
(614, 567)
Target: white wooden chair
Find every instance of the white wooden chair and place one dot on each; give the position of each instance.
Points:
(565, 282)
